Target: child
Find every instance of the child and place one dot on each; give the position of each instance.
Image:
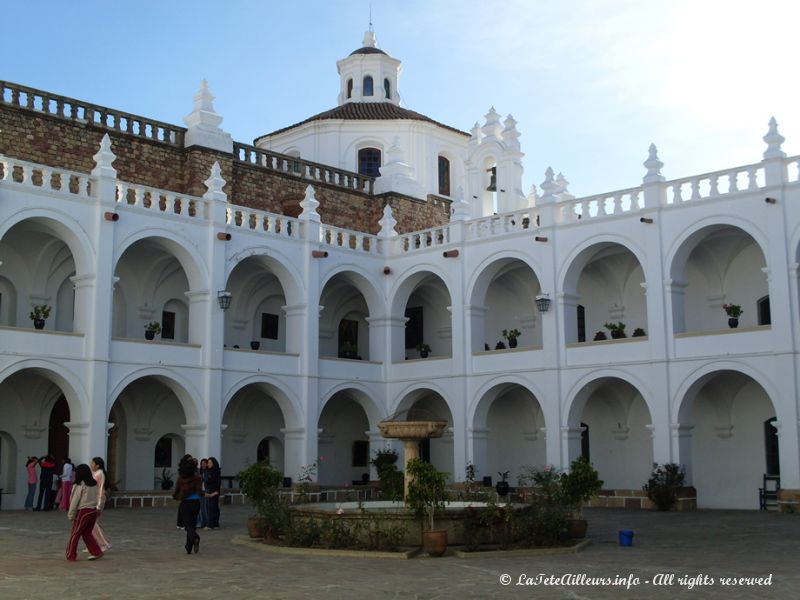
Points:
(83, 513)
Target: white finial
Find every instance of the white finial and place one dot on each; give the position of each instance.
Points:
(774, 141)
(477, 134)
(492, 127)
(653, 166)
(203, 123)
(460, 209)
(370, 41)
(510, 133)
(103, 160)
(309, 204)
(214, 184)
(533, 195)
(563, 192)
(387, 223)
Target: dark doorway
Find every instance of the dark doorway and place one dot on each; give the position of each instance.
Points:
(58, 436)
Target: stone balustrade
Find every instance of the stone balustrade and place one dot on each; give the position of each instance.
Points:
(263, 222)
(161, 201)
(47, 178)
(100, 116)
(512, 222)
(344, 238)
(427, 238)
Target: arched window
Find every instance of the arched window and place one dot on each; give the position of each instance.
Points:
(444, 176)
(764, 315)
(585, 441)
(387, 88)
(581, 323)
(369, 162)
(771, 447)
(368, 85)
(349, 88)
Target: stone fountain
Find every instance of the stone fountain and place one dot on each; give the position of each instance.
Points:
(411, 433)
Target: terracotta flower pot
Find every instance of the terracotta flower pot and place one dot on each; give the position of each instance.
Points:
(577, 528)
(435, 542)
(256, 526)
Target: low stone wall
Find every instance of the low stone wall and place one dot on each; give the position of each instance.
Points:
(637, 499)
(152, 499)
(789, 501)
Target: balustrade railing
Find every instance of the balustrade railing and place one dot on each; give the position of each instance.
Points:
(263, 222)
(345, 238)
(792, 169)
(512, 222)
(44, 177)
(712, 185)
(302, 169)
(427, 238)
(161, 201)
(84, 112)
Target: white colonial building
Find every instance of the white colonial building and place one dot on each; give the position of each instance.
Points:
(110, 256)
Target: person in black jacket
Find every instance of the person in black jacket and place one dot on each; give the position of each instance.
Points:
(48, 468)
(188, 490)
(213, 486)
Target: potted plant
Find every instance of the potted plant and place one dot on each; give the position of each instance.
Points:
(151, 329)
(639, 332)
(617, 330)
(260, 483)
(255, 345)
(166, 480)
(38, 315)
(502, 486)
(511, 335)
(392, 481)
(600, 336)
(424, 350)
(734, 311)
(500, 346)
(579, 486)
(664, 483)
(427, 493)
(348, 350)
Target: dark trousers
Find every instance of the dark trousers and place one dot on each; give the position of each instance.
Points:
(188, 511)
(44, 494)
(213, 510)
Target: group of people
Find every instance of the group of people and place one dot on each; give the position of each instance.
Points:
(54, 489)
(198, 489)
(86, 502)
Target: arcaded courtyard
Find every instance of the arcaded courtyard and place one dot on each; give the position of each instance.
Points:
(147, 561)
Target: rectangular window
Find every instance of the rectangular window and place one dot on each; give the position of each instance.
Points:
(444, 176)
(414, 335)
(269, 326)
(167, 325)
(360, 453)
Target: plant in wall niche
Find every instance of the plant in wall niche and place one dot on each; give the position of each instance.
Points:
(511, 335)
(599, 336)
(424, 350)
(734, 311)
(348, 350)
(500, 346)
(166, 480)
(38, 315)
(617, 330)
(639, 332)
(151, 329)
(502, 487)
(664, 483)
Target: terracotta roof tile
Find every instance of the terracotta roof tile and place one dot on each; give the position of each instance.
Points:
(366, 111)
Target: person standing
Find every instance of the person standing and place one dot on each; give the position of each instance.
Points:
(188, 489)
(47, 468)
(66, 484)
(202, 522)
(83, 513)
(213, 486)
(30, 466)
(98, 467)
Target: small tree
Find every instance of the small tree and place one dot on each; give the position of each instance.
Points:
(664, 483)
(427, 490)
(260, 483)
(580, 484)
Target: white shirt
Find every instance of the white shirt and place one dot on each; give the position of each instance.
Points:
(66, 473)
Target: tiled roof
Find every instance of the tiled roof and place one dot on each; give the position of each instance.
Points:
(366, 111)
(368, 50)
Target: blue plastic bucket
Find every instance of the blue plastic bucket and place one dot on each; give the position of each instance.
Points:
(625, 537)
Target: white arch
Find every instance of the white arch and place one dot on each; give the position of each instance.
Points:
(186, 253)
(481, 402)
(576, 397)
(67, 381)
(184, 390)
(360, 279)
(63, 226)
(483, 270)
(405, 397)
(292, 409)
(407, 281)
(365, 397)
(573, 264)
(290, 279)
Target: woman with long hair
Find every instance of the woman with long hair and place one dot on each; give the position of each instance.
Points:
(98, 466)
(188, 490)
(33, 479)
(83, 514)
(213, 486)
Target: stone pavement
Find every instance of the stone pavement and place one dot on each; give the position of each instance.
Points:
(148, 561)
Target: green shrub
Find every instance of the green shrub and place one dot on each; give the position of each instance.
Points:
(664, 483)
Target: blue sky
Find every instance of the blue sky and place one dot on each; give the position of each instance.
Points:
(591, 83)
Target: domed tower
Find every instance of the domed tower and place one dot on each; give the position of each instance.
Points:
(369, 74)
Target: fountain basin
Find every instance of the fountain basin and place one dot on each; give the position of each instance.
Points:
(412, 430)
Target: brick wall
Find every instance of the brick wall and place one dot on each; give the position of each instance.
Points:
(70, 144)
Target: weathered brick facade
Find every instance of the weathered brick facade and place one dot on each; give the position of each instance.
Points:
(70, 143)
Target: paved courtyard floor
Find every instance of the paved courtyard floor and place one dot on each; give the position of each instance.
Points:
(148, 561)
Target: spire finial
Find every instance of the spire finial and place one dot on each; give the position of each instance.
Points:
(370, 16)
(774, 141)
(653, 166)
